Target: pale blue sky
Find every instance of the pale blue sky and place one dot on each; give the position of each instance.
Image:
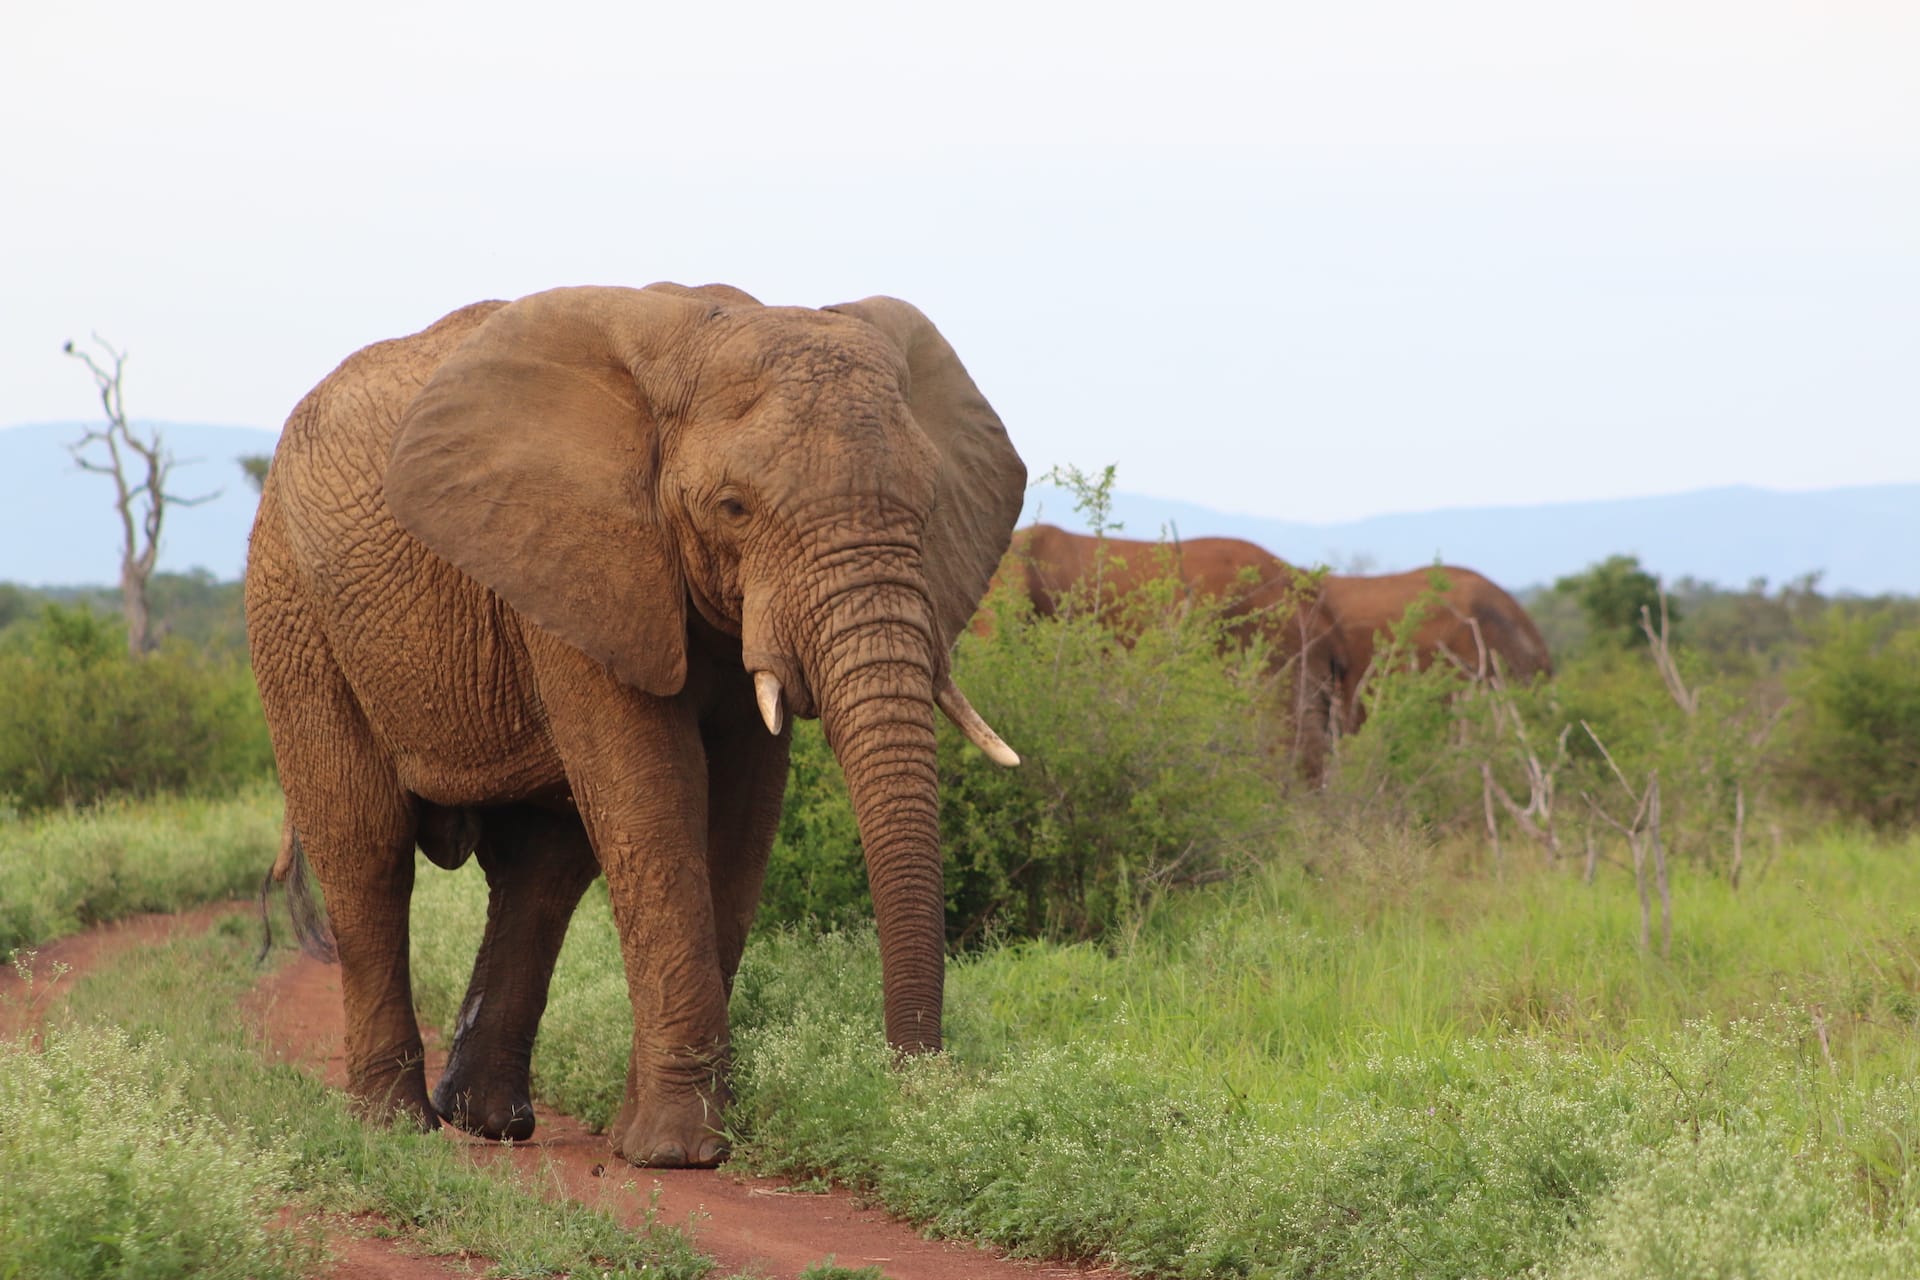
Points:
(1308, 261)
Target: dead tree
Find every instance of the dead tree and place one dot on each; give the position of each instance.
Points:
(1660, 645)
(139, 468)
(1535, 818)
(1642, 833)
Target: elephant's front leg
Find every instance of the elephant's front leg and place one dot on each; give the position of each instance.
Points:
(653, 849)
(639, 777)
(538, 863)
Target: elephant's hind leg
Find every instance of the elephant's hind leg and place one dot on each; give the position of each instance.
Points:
(538, 863)
(356, 826)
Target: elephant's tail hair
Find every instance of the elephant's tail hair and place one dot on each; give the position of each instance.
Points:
(310, 927)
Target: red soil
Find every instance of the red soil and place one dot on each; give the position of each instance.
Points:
(745, 1223)
(748, 1224)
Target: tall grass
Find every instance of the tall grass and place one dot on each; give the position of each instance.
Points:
(1298, 1076)
(63, 871)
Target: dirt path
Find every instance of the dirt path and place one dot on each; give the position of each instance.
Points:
(25, 1004)
(745, 1223)
(754, 1225)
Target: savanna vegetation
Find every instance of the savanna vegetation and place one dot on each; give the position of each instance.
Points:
(1617, 974)
(147, 1136)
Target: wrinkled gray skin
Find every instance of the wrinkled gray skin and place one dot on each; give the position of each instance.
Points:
(508, 585)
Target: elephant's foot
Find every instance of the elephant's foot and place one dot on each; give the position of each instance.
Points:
(677, 1131)
(394, 1092)
(496, 1108)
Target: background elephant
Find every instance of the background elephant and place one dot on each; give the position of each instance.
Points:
(1257, 592)
(516, 586)
(1370, 607)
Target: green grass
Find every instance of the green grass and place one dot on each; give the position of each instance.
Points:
(827, 1270)
(111, 1171)
(61, 872)
(1415, 1075)
(193, 1060)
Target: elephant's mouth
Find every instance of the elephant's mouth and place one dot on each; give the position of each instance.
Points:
(716, 613)
(776, 699)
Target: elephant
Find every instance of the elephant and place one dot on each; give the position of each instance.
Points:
(544, 583)
(1473, 621)
(1257, 592)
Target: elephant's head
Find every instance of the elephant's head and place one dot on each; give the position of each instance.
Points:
(829, 486)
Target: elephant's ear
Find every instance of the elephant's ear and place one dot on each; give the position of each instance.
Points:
(529, 459)
(982, 481)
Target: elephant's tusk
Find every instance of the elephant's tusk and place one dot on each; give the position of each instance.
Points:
(968, 721)
(766, 691)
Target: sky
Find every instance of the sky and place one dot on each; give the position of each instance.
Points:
(1309, 261)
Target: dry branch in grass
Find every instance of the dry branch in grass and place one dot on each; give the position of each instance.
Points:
(1642, 833)
(1535, 817)
(1660, 644)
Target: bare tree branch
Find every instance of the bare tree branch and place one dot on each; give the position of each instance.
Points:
(139, 483)
(1660, 643)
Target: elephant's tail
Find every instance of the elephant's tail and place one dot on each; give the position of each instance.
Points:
(310, 928)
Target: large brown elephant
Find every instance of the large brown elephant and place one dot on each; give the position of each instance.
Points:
(1370, 607)
(1256, 591)
(538, 583)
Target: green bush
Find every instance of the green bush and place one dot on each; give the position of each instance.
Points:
(1856, 740)
(1578, 752)
(110, 1171)
(815, 875)
(1611, 595)
(1144, 764)
(80, 720)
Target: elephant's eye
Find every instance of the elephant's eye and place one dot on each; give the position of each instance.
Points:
(733, 509)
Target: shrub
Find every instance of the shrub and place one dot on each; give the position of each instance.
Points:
(1856, 740)
(80, 720)
(110, 1172)
(815, 875)
(1436, 754)
(1144, 764)
(1611, 595)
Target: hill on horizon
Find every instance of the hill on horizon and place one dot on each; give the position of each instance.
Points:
(1859, 539)
(57, 526)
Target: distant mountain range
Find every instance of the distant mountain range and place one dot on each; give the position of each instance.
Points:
(1863, 539)
(57, 525)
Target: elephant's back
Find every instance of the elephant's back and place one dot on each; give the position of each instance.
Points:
(419, 644)
(1511, 631)
(339, 436)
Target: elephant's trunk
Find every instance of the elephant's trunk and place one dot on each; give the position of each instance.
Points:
(871, 669)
